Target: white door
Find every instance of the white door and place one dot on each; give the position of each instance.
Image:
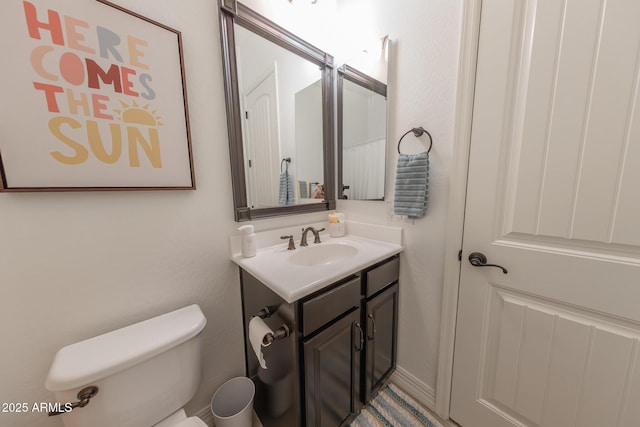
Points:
(262, 143)
(554, 197)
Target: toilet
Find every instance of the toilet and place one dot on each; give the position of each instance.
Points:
(145, 373)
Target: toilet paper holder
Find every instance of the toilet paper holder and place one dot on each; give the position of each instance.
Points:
(280, 333)
(266, 311)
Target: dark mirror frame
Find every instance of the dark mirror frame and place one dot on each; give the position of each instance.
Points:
(233, 12)
(368, 82)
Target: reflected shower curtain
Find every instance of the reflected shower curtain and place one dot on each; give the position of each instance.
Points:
(363, 167)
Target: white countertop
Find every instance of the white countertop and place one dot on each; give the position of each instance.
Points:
(273, 267)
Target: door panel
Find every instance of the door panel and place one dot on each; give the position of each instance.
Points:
(542, 364)
(554, 162)
(262, 139)
(381, 339)
(332, 363)
(573, 117)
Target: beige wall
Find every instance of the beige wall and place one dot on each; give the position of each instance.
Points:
(73, 265)
(421, 92)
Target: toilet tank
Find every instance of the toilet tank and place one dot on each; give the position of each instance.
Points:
(144, 372)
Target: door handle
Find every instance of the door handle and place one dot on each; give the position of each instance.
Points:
(477, 259)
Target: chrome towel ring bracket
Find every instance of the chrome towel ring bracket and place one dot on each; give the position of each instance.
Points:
(417, 132)
(286, 162)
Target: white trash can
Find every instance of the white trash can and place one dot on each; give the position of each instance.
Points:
(232, 403)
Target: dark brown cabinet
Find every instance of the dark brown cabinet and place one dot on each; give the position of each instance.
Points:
(332, 341)
(381, 322)
(340, 352)
(332, 370)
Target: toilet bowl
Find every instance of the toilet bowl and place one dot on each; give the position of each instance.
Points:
(144, 373)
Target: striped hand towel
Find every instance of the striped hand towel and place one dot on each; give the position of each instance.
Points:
(412, 185)
(286, 189)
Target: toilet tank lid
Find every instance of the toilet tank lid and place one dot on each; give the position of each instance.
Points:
(90, 360)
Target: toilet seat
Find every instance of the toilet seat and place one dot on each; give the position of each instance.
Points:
(192, 422)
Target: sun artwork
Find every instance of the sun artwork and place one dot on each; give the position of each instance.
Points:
(86, 118)
(135, 114)
(140, 133)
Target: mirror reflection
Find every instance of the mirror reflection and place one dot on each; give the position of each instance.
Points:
(362, 131)
(281, 104)
(280, 116)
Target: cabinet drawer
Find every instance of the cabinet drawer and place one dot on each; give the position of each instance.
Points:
(382, 276)
(320, 310)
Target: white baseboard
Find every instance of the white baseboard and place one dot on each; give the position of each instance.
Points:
(414, 387)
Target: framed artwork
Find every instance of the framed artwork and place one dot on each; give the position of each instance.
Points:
(93, 98)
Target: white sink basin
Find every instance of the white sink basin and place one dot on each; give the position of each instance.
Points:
(322, 254)
(297, 273)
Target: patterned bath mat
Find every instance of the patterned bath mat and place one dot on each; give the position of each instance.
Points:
(393, 408)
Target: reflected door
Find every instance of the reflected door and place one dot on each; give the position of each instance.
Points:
(262, 143)
(552, 197)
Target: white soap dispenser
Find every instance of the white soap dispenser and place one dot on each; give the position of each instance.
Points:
(247, 241)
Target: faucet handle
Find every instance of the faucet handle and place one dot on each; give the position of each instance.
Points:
(317, 236)
(292, 245)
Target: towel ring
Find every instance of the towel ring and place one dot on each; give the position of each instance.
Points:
(286, 159)
(417, 132)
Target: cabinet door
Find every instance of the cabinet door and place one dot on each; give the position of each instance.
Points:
(332, 365)
(381, 338)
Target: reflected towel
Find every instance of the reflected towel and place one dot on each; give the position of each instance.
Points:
(412, 185)
(285, 196)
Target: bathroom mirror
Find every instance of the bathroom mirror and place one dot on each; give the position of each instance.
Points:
(279, 96)
(362, 130)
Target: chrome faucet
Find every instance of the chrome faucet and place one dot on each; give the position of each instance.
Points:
(316, 234)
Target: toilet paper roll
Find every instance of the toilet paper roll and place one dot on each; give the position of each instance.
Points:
(258, 331)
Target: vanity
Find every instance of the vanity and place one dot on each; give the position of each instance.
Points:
(330, 308)
(333, 307)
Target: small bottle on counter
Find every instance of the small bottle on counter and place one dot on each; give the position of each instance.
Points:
(336, 225)
(247, 241)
